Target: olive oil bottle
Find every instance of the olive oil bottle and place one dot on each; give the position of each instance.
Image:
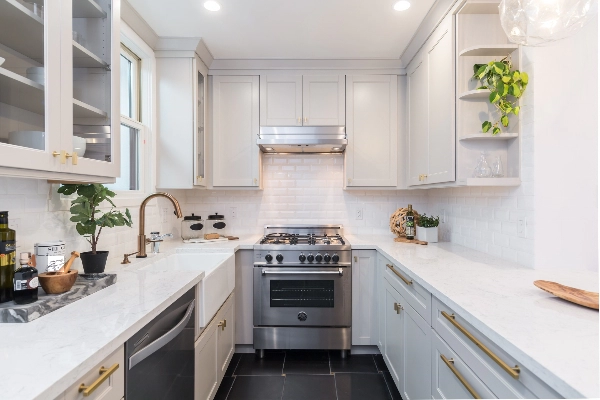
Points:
(8, 255)
(410, 223)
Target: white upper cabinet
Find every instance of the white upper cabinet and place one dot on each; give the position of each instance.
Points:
(235, 121)
(372, 130)
(324, 100)
(181, 145)
(281, 100)
(431, 110)
(59, 87)
(296, 100)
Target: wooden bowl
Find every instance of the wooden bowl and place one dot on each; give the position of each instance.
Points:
(55, 284)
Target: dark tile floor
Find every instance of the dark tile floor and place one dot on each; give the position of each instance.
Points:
(307, 375)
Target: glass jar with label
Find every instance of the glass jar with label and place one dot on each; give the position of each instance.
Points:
(192, 227)
(216, 224)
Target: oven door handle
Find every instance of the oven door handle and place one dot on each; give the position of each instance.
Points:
(163, 340)
(339, 272)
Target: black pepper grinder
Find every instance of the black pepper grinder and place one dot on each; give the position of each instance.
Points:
(25, 281)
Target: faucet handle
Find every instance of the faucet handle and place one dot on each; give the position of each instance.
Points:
(157, 237)
(126, 258)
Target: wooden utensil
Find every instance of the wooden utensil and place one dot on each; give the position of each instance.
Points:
(209, 236)
(67, 266)
(55, 284)
(574, 295)
(405, 240)
(230, 237)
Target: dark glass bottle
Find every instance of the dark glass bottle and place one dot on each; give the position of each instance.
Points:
(410, 223)
(7, 258)
(25, 282)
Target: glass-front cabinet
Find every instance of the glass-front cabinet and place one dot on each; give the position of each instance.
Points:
(201, 73)
(58, 103)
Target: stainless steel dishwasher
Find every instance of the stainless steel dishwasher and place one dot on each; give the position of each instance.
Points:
(159, 358)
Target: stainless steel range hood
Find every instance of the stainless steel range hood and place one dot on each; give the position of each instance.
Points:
(302, 139)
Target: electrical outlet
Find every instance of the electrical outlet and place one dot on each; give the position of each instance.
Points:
(233, 212)
(164, 215)
(14, 223)
(522, 227)
(359, 213)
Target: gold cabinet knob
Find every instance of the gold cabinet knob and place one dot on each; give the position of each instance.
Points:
(222, 324)
(73, 157)
(62, 154)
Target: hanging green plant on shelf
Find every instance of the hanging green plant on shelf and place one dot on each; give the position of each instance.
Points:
(506, 87)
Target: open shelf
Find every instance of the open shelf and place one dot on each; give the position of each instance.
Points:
(489, 136)
(83, 110)
(480, 7)
(500, 50)
(22, 30)
(475, 94)
(21, 92)
(83, 58)
(87, 9)
(493, 181)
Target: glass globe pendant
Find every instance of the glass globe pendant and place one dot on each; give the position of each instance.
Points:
(539, 22)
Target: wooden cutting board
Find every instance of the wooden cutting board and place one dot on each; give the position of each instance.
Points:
(574, 295)
(405, 240)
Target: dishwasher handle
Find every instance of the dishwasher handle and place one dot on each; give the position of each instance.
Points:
(163, 340)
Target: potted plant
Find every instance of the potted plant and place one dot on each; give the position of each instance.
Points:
(427, 228)
(506, 86)
(85, 210)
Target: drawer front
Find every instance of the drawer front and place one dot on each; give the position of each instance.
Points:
(206, 381)
(451, 377)
(416, 295)
(487, 360)
(106, 381)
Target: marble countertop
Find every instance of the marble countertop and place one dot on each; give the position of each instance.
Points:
(554, 339)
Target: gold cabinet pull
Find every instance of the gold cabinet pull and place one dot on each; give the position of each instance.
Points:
(62, 154)
(222, 324)
(398, 307)
(299, 120)
(512, 371)
(399, 275)
(305, 119)
(104, 374)
(74, 158)
(450, 364)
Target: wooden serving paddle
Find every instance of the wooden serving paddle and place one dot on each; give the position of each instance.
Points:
(402, 239)
(574, 295)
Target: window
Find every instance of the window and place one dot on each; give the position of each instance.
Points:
(132, 129)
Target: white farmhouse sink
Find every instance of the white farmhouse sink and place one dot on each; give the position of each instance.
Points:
(214, 289)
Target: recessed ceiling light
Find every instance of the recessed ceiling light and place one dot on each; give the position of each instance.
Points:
(268, 148)
(402, 5)
(212, 5)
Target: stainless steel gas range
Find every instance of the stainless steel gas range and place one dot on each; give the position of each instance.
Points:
(302, 288)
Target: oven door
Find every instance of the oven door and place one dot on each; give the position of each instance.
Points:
(301, 296)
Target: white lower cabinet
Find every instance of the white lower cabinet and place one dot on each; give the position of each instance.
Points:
(392, 347)
(106, 381)
(213, 351)
(364, 305)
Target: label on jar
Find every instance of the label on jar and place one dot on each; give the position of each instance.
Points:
(219, 225)
(55, 263)
(26, 284)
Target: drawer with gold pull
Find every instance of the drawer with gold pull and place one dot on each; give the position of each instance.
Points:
(106, 381)
(499, 371)
(415, 294)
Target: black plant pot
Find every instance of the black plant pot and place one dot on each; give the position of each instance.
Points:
(94, 263)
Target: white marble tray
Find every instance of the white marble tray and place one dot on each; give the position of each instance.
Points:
(85, 285)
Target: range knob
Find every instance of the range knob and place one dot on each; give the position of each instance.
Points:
(302, 257)
(319, 257)
(269, 257)
(310, 258)
(335, 258)
(327, 257)
(279, 258)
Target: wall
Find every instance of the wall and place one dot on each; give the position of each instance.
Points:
(304, 189)
(38, 214)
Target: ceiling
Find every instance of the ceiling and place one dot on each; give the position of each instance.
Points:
(286, 29)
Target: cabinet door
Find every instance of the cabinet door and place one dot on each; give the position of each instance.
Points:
(236, 156)
(200, 91)
(372, 130)
(364, 304)
(393, 332)
(324, 100)
(415, 376)
(30, 101)
(441, 144)
(225, 336)
(451, 377)
(418, 156)
(280, 100)
(380, 295)
(90, 90)
(206, 380)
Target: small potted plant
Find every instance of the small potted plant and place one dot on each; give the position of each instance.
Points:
(427, 228)
(85, 210)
